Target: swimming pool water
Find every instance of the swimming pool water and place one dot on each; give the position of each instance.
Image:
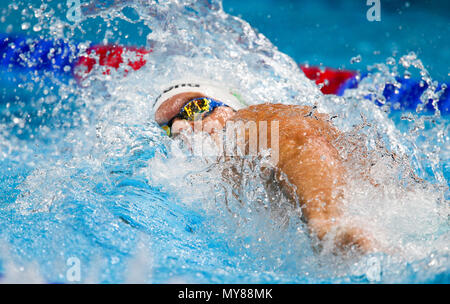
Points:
(330, 33)
(86, 176)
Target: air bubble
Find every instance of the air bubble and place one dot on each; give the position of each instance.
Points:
(37, 28)
(25, 26)
(356, 59)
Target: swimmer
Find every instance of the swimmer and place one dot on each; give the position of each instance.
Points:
(307, 156)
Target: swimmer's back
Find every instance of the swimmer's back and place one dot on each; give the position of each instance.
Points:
(295, 122)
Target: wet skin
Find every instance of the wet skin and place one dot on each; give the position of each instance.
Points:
(306, 156)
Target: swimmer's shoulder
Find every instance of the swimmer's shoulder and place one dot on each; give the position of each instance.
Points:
(269, 111)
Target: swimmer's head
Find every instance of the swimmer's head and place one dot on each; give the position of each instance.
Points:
(183, 103)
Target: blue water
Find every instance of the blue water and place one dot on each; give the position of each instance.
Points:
(330, 32)
(85, 174)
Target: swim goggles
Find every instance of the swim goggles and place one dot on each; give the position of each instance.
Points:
(194, 109)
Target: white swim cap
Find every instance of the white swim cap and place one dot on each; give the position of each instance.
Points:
(227, 96)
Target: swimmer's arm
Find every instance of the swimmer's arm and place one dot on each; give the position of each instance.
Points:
(316, 171)
(313, 166)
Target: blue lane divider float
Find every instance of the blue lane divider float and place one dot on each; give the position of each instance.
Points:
(407, 97)
(25, 54)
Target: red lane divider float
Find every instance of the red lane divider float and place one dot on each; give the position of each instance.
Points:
(112, 56)
(109, 56)
(331, 79)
